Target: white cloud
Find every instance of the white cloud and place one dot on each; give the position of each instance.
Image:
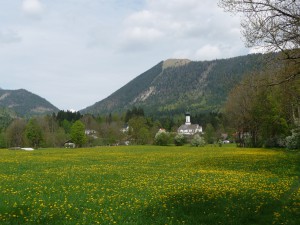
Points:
(143, 33)
(142, 17)
(178, 6)
(208, 52)
(32, 7)
(180, 27)
(258, 49)
(183, 54)
(140, 29)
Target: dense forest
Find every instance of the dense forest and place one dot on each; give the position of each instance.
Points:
(173, 86)
(264, 121)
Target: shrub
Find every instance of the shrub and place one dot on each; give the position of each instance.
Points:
(162, 138)
(198, 141)
(293, 141)
(277, 142)
(179, 140)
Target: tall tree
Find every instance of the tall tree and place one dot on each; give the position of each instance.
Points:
(34, 133)
(78, 133)
(238, 109)
(6, 118)
(139, 130)
(110, 134)
(210, 134)
(90, 122)
(134, 112)
(15, 133)
(68, 115)
(54, 136)
(257, 114)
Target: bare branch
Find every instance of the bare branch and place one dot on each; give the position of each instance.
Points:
(271, 24)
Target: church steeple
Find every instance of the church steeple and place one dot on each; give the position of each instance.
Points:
(187, 118)
(188, 128)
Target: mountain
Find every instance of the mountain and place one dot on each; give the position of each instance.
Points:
(25, 103)
(176, 85)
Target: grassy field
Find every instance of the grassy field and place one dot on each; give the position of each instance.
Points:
(150, 185)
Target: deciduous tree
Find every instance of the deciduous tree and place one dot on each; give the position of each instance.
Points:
(139, 130)
(210, 134)
(272, 25)
(179, 140)
(198, 141)
(15, 133)
(78, 133)
(257, 114)
(162, 138)
(34, 133)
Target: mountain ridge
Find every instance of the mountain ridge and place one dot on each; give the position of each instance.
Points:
(174, 85)
(169, 87)
(25, 103)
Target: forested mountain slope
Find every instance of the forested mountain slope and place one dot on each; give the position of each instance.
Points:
(25, 103)
(175, 85)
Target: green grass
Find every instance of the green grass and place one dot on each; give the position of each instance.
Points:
(150, 185)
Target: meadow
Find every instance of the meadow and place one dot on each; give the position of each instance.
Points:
(150, 185)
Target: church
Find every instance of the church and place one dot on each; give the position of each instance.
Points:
(188, 128)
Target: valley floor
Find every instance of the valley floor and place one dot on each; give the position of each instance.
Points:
(150, 185)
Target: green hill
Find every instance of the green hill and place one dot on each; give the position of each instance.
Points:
(174, 85)
(25, 103)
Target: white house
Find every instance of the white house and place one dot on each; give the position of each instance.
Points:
(91, 133)
(69, 144)
(188, 128)
(125, 129)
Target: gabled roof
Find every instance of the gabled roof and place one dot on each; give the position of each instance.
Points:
(189, 127)
(69, 141)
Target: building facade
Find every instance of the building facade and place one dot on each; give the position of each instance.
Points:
(188, 128)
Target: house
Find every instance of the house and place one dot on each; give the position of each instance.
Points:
(91, 133)
(188, 128)
(125, 129)
(69, 144)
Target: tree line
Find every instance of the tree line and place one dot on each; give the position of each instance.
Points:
(253, 117)
(133, 126)
(264, 109)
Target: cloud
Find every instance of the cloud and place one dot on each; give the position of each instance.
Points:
(9, 36)
(258, 49)
(191, 28)
(140, 30)
(147, 34)
(208, 52)
(32, 7)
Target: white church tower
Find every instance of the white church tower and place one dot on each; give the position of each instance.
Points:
(188, 128)
(187, 118)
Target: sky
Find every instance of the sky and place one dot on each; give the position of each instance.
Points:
(75, 53)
